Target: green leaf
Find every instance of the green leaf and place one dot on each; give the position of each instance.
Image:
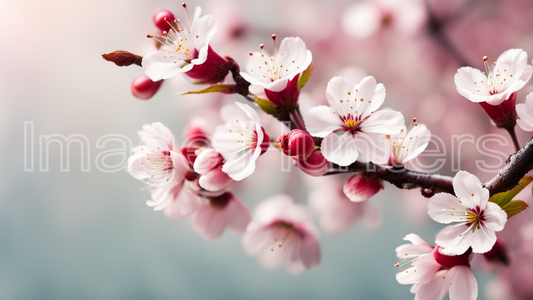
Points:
(514, 207)
(504, 198)
(304, 77)
(217, 88)
(267, 106)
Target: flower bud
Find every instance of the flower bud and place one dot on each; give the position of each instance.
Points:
(190, 153)
(197, 133)
(504, 114)
(144, 88)
(359, 188)
(160, 22)
(215, 180)
(297, 143)
(286, 99)
(314, 165)
(449, 262)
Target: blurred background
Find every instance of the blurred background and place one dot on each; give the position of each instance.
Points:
(88, 234)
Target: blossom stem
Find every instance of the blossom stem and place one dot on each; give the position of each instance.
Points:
(512, 133)
(296, 119)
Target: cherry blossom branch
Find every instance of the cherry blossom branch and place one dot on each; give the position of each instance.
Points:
(508, 178)
(517, 167)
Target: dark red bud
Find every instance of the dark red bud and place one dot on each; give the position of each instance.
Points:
(297, 143)
(144, 88)
(159, 19)
(123, 58)
(190, 154)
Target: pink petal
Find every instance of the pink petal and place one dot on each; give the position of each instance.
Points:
(310, 253)
(426, 268)
(463, 285)
(454, 239)
(254, 242)
(469, 190)
(436, 288)
(184, 204)
(210, 222)
(415, 239)
(359, 189)
(238, 216)
(321, 121)
(206, 161)
(445, 208)
(340, 150)
(215, 180)
(406, 276)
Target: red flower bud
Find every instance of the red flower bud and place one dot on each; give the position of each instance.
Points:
(359, 188)
(144, 88)
(314, 165)
(451, 261)
(504, 114)
(297, 143)
(160, 22)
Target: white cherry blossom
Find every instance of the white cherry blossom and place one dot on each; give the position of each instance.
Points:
(407, 145)
(274, 72)
(181, 48)
(478, 219)
(510, 73)
(352, 124)
(241, 140)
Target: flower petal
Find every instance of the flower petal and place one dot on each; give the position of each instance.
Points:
(373, 146)
(215, 180)
(495, 217)
(162, 65)
(427, 266)
(445, 208)
(472, 84)
(210, 223)
(339, 89)
(436, 288)
(321, 121)
(469, 190)
(463, 285)
(384, 122)
(340, 150)
(310, 253)
(238, 216)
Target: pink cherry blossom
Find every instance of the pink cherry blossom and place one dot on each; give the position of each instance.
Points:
(241, 140)
(434, 274)
(525, 112)
(353, 113)
(220, 212)
(273, 73)
(510, 73)
(164, 168)
(407, 145)
(478, 219)
(282, 234)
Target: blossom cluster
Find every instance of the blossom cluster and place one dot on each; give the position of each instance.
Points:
(353, 129)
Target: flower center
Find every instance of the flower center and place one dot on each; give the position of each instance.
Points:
(475, 217)
(351, 122)
(283, 236)
(494, 84)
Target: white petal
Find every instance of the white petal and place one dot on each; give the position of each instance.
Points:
(482, 240)
(202, 31)
(340, 150)
(422, 137)
(339, 90)
(495, 217)
(240, 166)
(463, 285)
(373, 146)
(469, 190)
(294, 56)
(445, 208)
(512, 62)
(451, 236)
(436, 288)
(472, 84)
(406, 276)
(160, 65)
(525, 112)
(384, 122)
(321, 121)
(377, 100)
(277, 85)
(364, 93)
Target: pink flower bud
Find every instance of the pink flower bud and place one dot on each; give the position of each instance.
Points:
(190, 153)
(297, 143)
(359, 188)
(286, 99)
(206, 161)
(449, 262)
(314, 165)
(144, 88)
(197, 133)
(504, 114)
(266, 141)
(160, 22)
